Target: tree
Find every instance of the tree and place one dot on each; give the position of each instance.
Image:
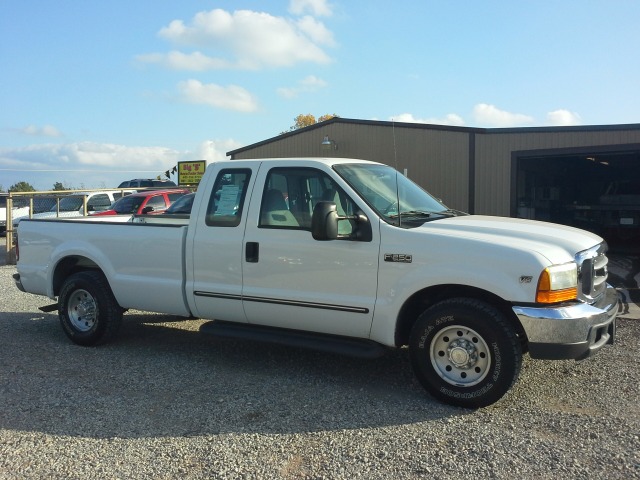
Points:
(59, 186)
(21, 187)
(302, 120)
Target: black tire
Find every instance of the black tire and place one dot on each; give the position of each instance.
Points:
(465, 353)
(88, 311)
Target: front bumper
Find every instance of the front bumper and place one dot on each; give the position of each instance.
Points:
(570, 332)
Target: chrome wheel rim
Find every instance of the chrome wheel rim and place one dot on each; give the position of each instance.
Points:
(82, 310)
(460, 356)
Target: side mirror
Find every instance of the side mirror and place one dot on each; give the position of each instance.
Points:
(324, 221)
(146, 210)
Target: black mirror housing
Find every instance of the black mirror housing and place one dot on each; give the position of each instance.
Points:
(324, 221)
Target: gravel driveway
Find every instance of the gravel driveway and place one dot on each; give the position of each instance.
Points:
(165, 402)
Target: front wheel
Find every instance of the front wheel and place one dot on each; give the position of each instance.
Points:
(465, 353)
(88, 311)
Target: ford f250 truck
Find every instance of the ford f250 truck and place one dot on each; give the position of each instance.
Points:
(342, 255)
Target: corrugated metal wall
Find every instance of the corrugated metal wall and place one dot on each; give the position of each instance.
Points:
(441, 159)
(435, 159)
(493, 155)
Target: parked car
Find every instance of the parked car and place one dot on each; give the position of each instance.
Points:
(3, 212)
(73, 205)
(141, 203)
(181, 206)
(22, 204)
(146, 182)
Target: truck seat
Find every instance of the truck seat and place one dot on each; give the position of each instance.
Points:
(274, 211)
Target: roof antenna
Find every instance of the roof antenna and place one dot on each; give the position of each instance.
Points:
(395, 159)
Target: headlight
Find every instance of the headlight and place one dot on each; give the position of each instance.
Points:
(558, 283)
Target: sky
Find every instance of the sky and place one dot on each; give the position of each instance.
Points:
(95, 93)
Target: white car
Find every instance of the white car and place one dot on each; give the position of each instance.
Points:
(20, 208)
(3, 213)
(73, 205)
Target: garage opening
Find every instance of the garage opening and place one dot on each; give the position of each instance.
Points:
(594, 189)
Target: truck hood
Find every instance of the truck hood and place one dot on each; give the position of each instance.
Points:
(558, 243)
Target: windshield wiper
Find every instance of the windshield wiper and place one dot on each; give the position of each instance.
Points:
(413, 213)
(453, 212)
(449, 212)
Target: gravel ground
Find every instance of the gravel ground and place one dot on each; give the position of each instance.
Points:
(164, 401)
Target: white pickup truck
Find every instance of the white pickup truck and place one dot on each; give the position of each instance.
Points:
(343, 255)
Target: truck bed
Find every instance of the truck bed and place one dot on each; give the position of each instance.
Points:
(146, 271)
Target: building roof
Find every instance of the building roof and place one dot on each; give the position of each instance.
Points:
(447, 128)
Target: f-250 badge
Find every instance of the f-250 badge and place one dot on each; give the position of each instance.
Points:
(398, 257)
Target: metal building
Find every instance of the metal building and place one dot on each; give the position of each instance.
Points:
(586, 176)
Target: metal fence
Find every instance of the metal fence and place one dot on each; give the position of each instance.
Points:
(28, 204)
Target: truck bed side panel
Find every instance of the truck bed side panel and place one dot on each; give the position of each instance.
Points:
(144, 264)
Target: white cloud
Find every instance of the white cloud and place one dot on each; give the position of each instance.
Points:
(98, 165)
(309, 84)
(560, 118)
(243, 39)
(450, 119)
(216, 150)
(86, 154)
(319, 8)
(175, 60)
(44, 131)
(316, 31)
(489, 115)
(232, 97)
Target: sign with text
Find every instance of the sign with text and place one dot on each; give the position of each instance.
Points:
(190, 173)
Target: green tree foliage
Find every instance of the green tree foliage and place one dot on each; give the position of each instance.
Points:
(306, 120)
(59, 186)
(21, 187)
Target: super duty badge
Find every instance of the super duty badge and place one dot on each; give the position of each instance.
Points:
(398, 257)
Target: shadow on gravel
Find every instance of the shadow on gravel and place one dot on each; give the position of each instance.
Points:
(163, 378)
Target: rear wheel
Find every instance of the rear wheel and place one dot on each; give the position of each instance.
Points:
(465, 353)
(88, 311)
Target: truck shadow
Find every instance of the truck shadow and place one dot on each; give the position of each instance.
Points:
(163, 378)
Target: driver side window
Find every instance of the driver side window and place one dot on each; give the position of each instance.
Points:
(291, 194)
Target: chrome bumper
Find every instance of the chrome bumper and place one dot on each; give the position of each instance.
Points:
(570, 332)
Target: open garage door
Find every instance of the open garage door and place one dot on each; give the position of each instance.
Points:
(594, 189)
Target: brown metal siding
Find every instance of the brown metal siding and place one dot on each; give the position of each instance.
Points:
(443, 159)
(435, 159)
(494, 153)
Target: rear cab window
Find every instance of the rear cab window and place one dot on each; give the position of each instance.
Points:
(227, 198)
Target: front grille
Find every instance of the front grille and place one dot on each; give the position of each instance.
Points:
(592, 272)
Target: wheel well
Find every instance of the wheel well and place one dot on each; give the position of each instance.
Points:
(68, 266)
(427, 297)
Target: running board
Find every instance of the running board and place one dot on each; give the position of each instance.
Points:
(353, 347)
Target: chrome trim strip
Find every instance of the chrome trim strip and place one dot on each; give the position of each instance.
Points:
(277, 301)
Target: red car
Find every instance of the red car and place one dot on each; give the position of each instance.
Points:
(145, 202)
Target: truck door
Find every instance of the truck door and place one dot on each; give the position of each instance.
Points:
(216, 251)
(290, 279)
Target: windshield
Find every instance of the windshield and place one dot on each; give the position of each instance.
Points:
(127, 204)
(181, 205)
(382, 187)
(72, 203)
